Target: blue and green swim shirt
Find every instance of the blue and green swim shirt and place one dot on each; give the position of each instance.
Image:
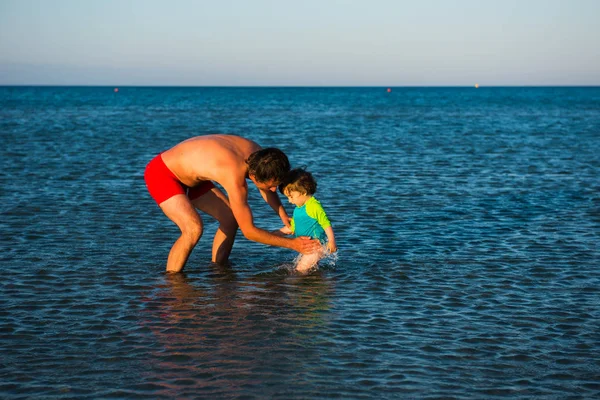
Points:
(310, 220)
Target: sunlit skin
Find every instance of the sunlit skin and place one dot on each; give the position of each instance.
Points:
(296, 198)
(270, 186)
(221, 159)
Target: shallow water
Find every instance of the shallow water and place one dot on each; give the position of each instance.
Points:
(468, 226)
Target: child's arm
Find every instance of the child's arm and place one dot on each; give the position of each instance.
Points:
(331, 246)
(316, 211)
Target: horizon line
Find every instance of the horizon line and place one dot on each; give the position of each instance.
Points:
(476, 86)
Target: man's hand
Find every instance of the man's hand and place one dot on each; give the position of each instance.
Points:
(306, 245)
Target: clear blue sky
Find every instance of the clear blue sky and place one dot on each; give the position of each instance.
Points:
(300, 42)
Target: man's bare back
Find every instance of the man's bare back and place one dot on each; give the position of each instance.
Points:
(217, 158)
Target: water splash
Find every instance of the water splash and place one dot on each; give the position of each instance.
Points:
(328, 261)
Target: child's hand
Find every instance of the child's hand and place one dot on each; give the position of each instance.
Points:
(331, 247)
(286, 230)
(286, 221)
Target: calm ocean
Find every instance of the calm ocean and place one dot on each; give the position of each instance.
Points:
(467, 220)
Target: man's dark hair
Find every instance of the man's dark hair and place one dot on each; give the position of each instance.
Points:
(267, 164)
(299, 180)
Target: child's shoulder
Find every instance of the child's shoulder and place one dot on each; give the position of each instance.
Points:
(313, 200)
(313, 203)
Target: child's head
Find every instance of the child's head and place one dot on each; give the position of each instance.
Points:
(299, 180)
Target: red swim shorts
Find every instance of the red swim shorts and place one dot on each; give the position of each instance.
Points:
(163, 184)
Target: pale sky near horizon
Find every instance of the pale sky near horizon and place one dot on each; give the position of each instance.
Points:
(300, 43)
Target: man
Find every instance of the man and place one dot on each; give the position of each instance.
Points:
(180, 179)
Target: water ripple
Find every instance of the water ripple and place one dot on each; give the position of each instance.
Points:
(468, 231)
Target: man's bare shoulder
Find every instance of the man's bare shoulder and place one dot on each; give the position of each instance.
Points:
(220, 158)
(225, 139)
(223, 145)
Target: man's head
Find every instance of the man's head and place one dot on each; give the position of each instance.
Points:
(268, 166)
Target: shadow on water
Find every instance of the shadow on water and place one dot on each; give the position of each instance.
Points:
(223, 335)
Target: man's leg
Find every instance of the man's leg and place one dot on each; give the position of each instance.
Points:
(180, 210)
(216, 204)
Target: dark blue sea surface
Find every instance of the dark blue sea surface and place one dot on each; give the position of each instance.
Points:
(467, 220)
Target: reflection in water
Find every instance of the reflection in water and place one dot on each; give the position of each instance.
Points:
(226, 336)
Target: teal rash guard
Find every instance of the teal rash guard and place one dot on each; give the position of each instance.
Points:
(310, 220)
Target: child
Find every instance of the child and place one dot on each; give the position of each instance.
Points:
(309, 218)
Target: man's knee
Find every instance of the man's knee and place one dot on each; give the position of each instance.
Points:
(192, 231)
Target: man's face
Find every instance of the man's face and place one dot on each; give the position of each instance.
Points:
(271, 185)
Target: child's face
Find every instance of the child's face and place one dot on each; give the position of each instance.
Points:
(296, 198)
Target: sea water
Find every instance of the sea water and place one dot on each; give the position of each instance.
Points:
(467, 222)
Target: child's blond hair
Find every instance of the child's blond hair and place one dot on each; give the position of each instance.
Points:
(299, 180)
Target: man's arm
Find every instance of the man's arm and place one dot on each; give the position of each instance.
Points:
(281, 232)
(274, 202)
(284, 231)
(238, 199)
